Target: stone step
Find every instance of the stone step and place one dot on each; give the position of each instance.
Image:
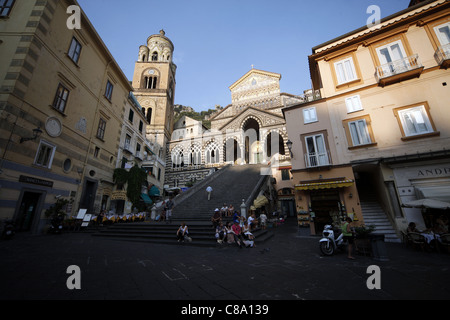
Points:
(202, 234)
(374, 215)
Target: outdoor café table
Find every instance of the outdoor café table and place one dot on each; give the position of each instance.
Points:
(430, 237)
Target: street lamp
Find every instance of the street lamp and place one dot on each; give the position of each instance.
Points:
(36, 134)
(289, 145)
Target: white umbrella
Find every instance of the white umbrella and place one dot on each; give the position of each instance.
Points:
(427, 203)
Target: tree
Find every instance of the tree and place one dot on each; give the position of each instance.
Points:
(134, 179)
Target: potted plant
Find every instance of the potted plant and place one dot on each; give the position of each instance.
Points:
(363, 233)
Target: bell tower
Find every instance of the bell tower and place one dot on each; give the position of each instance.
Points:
(154, 87)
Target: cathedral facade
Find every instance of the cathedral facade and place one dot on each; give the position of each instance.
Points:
(250, 130)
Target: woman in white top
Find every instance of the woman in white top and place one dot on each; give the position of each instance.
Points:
(182, 232)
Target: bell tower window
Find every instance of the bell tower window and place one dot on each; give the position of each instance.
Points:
(150, 82)
(155, 56)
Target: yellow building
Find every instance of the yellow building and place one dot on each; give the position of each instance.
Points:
(378, 138)
(62, 103)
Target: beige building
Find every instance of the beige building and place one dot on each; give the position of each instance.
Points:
(379, 136)
(135, 149)
(62, 103)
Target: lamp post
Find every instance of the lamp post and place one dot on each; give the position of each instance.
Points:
(289, 145)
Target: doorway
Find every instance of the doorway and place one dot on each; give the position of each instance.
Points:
(28, 208)
(88, 196)
(288, 208)
(326, 206)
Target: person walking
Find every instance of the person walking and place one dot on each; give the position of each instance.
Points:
(168, 208)
(209, 191)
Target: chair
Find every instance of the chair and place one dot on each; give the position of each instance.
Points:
(445, 241)
(417, 240)
(406, 240)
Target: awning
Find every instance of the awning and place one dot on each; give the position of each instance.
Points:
(436, 192)
(427, 203)
(154, 191)
(146, 198)
(260, 202)
(325, 185)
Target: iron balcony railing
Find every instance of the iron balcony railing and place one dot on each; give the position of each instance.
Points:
(398, 66)
(317, 159)
(442, 54)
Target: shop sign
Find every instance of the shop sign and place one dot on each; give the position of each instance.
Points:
(36, 181)
(433, 172)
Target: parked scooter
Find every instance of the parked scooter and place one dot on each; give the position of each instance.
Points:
(56, 226)
(8, 230)
(329, 244)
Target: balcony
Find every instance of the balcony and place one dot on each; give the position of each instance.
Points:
(307, 96)
(317, 159)
(442, 56)
(399, 70)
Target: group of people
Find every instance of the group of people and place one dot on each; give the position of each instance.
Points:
(440, 226)
(240, 230)
(234, 233)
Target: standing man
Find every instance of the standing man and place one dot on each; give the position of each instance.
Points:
(209, 191)
(168, 207)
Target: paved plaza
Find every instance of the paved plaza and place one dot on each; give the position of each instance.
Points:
(286, 267)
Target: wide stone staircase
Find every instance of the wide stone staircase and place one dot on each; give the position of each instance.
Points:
(375, 216)
(230, 185)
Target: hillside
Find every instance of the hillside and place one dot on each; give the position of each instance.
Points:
(203, 116)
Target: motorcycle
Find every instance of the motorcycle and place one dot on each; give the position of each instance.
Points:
(56, 226)
(8, 230)
(329, 244)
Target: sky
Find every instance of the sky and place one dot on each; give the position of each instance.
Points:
(217, 41)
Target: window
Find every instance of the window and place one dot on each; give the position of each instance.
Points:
(391, 52)
(150, 82)
(141, 126)
(96, 152)
(415, 121)
(345, 70)
(212, 154)
(67, 165)
(285, 174)
(309, 115)
(109, 90)
(74, 50)
(131, 116)
(195, 155)
(62, 94)
(101, 129)
(5, 7)
(316, 151)
(127, 144)
(359, 132)
(44, 156)
(443, 33)
(155, 56)
(138, 149)
(353, 104)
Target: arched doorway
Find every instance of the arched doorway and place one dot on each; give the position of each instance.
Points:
(252, 149)
(232, 151)
(274, 144)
